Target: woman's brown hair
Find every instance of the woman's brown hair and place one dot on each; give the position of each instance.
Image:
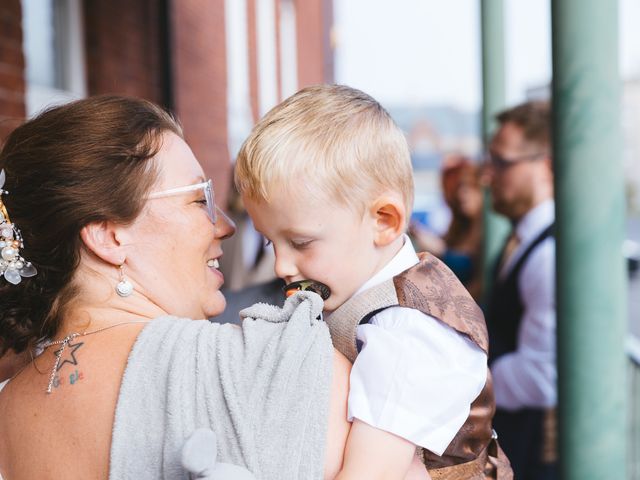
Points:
(83, 162)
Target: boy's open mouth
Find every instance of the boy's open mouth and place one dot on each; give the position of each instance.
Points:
(307, 285)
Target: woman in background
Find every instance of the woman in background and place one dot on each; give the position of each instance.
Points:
(460, 246)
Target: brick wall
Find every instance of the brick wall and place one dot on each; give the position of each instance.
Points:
(328, 43)
(199, 84)
(278, 49)
(124, 52)
(12, 83)
(252, 45)
(132, 49)
(314, 20)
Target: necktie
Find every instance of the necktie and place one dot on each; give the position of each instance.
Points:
(509, 249)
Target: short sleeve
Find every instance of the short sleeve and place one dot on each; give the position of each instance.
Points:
(415, 377)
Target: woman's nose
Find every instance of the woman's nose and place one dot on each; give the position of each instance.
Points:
(225, 227)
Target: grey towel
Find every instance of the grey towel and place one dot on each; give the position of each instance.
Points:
(263, 388)
(199, 458)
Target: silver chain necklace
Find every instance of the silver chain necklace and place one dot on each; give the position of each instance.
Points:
(65, 342)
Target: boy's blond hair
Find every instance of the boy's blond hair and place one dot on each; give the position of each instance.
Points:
(334, 141)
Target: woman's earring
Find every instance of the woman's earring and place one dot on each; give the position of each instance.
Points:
(124, 288)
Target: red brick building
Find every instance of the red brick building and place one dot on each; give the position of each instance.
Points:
(218, 64)
(12, 85)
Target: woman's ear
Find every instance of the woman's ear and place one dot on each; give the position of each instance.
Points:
(390, 216)
(101, 239)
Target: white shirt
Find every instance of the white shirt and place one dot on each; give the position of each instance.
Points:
(527, 377)
(414, 376)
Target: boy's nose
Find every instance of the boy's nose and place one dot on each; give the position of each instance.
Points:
(285, 268)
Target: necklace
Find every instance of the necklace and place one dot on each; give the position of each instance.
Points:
(65, 342)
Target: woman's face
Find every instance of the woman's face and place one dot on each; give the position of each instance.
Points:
(174, 254)
(469, 196)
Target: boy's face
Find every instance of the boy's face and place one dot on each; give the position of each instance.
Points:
(321, 241)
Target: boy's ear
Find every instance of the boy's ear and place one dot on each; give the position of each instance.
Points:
(390, 214)
(103, 240)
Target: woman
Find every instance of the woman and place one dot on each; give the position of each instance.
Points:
(459, 248)
(118, 230)
(463, 194)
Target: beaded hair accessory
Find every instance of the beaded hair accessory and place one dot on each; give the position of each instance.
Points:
(12, 265)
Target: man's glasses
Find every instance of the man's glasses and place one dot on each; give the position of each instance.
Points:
(207, 188)
(502, 163)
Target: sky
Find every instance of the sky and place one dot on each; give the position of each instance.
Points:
(428, 51)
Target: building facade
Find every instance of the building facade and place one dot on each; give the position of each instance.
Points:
(219, 65)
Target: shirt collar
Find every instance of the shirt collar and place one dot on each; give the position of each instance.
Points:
(403, 260)
(536, 221)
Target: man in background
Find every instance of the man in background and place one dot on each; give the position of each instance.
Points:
(521, 313)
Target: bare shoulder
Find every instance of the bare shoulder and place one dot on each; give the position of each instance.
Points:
(18, 410)
(4, 416)
(40, 432)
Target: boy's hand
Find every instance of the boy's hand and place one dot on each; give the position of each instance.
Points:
(378, 455)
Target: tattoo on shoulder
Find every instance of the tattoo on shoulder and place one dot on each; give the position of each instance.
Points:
(69, 354)
(69, 357)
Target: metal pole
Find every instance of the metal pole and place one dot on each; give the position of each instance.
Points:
(591, 282)
(496, 227)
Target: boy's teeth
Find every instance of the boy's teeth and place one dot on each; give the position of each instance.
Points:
(213, 263)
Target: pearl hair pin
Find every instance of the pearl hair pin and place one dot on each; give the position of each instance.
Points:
(12, 265)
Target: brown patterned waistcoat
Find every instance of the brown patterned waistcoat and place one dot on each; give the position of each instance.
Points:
(433, 289)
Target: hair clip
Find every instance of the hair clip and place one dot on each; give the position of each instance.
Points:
(12, 265)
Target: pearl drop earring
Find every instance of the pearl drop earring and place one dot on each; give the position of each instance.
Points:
(124, 288)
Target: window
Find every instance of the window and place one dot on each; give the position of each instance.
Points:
(239, 119)
(54, 52)
(288, 48)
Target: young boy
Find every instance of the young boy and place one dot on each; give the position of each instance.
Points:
(326, 177)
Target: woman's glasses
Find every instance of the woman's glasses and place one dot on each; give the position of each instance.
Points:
(207, 188)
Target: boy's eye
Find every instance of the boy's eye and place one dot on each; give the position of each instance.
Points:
(267, 242)
(202, 202)
(300, 244)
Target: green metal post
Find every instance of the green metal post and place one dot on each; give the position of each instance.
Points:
(496, 227)
(591, 281)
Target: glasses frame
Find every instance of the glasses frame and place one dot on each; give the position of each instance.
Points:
(206, 187)
(502, 163)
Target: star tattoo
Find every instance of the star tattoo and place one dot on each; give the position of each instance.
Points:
(70, 354)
